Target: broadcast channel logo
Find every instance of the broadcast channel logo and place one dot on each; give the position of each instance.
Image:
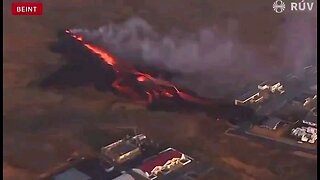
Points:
(26, 8)
(279, 6)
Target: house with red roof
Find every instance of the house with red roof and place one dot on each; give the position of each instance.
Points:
(163, 163)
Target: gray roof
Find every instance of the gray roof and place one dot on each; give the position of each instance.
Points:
(124, 148)
(314, 111)
(271, 122)
(124, 177)
(310, 117)
(269, 83)
(302, 97)
(72, 174)
(86, 169)
(248, 94)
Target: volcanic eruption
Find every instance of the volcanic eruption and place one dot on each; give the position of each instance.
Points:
(136, 84)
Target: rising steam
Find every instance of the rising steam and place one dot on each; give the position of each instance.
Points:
(210, 62)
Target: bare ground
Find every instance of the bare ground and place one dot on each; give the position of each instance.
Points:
(42, 128)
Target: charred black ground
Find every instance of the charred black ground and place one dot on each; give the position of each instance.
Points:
(85, 68)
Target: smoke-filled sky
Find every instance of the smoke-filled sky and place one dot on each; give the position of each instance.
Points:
(299, 36)
(210, 61)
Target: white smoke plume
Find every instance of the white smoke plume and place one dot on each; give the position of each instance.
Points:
(299, 36)
(212, 63)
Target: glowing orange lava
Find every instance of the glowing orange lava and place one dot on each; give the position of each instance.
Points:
(141, 78)
(105, 56)
(160, 87)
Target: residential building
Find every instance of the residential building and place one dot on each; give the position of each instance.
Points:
(123, 150)
(250, 97)
(124, 176)
(305, 134)
(85, 169)
(310, 119)
(262, 93)
(306, 100)
(162, 164)
(271, 123)
(273, 87)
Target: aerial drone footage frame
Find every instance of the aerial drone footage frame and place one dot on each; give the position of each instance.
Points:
(160, 90)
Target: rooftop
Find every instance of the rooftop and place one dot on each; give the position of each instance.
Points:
(268, 83)
(72, 174)
(86, 169)
(160, 160)
(311, 117)
(248, 94)
(314, 111)
(93, 168)
(271, 123)
(302, 97)
(124, 177)
(123, 146)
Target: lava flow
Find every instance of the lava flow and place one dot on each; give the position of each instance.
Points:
(133, 83)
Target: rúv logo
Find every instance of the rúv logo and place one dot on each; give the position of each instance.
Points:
(279, 6)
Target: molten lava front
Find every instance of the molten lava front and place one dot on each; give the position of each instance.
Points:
(136, 84)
